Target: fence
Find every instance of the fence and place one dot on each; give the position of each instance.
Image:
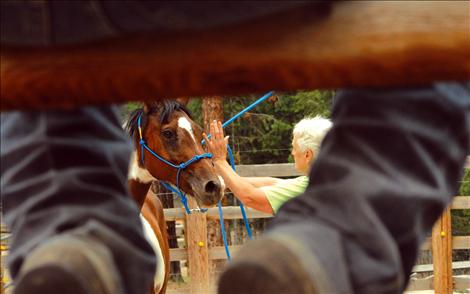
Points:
(441, 241)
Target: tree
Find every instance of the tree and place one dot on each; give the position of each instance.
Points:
(461, 217)
(264, 135)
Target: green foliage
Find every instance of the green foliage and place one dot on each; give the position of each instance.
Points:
(195, 107)
(264, 135)
(127, 108)
(461, 217)
(465, 184)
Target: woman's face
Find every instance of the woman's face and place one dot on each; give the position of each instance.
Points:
(300, 157)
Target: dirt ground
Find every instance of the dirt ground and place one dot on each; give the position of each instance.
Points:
(184, 288)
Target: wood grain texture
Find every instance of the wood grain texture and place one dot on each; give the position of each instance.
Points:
(198, 256)
(355, 44)
(442, 254)
(212, 109)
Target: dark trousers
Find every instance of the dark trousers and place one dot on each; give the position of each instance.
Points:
(385, 172)
(66, 171)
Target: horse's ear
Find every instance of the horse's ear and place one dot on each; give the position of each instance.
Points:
(146, 107)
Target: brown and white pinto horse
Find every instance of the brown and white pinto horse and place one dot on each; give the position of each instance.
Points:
(168, 130)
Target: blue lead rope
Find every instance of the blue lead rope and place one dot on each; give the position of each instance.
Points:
(232, 164)
(222, 229)
(250, 107)
(242, 207)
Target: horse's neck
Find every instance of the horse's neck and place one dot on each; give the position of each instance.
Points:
(140, 179)
(139, 191)
(155, 169)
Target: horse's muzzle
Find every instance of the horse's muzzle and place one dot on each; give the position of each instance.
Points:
(212, 193)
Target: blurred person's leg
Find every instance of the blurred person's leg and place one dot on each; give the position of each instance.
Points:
(385, 173)
(65, 200)
(71, 22)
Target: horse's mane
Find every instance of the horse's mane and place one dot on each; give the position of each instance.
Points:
(162, 108)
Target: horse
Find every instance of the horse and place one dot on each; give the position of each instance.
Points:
(164, 136)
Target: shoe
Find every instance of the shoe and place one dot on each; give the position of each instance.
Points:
(298, 258)
(69, 264)
(266, 266)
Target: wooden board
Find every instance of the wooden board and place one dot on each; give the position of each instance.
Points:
(267, 170)
(461, 284)
(196, 239)
(458, 242)
(429, 267)
(442, 254)
(217, 252)
(230, 212)
(356, 43)
(233, 212)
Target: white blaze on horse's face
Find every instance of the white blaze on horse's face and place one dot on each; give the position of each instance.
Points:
(138, 173)
(184, 123)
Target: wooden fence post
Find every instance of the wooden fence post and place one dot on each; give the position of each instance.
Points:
(213, 109)
(442, 254)
(198, 254)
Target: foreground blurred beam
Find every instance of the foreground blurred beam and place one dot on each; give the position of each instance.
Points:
(354, 44)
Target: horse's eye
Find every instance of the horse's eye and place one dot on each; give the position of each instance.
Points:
(168, 134)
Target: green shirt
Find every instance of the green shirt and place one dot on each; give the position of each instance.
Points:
(285, 190)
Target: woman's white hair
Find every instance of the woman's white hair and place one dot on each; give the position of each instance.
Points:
(310, 132)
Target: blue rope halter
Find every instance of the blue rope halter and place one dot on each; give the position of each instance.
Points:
(180, 167)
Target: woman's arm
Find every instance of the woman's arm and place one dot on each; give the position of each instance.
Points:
(263, 181)
(250, 195)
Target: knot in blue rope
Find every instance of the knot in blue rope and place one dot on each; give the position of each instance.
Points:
(142, 142)
(203, 210)
(194, 159)
(208, 155)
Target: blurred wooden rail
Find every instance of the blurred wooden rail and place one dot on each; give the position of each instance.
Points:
(354, 44)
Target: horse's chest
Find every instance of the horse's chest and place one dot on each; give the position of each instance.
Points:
(153, 240)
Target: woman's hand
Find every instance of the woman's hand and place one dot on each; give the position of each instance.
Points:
(217, 144)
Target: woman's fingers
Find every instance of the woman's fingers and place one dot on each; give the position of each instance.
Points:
(208, 142)
(221, 130)
(212, 127)
(216, 130)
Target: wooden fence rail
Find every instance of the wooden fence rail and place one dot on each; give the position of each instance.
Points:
(233, 212)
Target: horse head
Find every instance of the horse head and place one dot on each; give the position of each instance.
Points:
(165, 136)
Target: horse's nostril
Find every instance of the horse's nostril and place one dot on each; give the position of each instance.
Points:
(212, 187)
